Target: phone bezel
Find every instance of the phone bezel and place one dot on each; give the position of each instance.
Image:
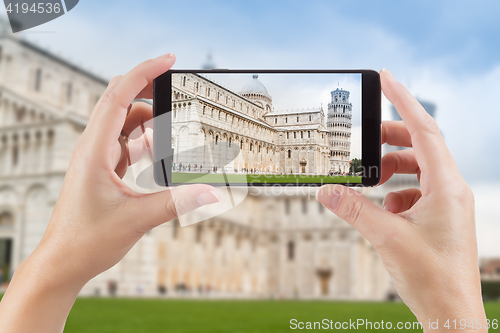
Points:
(370, 120)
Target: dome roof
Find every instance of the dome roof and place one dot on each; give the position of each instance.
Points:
(254, 86)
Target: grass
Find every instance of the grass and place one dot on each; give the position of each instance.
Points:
(182, 178)
(125, 315)
(186, 316)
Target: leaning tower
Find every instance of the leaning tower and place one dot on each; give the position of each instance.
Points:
(339, 124)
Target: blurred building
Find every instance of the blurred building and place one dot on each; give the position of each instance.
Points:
(269, 246)
(490, 277)
(44, 106)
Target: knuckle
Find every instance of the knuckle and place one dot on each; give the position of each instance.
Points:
(431, 125)
(463, 194)
(115, 80)
(172, 208)
(351, 211)
(109, 94)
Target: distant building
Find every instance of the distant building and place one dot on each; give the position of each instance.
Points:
(209, 63)
(428, 106)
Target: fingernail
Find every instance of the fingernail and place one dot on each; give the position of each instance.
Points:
(169, 55)
(335, 200)
(329, 197)
(388, 74)
(207, 198)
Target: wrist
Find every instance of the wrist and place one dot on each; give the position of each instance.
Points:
(449, 316)
(40, 295)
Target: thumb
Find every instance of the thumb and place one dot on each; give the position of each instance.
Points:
(371, 221)
(161, 207)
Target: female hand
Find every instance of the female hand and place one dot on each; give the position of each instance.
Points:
(425, 237)
(97, 218)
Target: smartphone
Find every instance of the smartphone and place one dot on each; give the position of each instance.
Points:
(267, 127)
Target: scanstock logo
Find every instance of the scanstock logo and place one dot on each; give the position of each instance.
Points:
(26, 14)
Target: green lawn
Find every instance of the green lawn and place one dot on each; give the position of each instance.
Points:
(125, 315)
(148, 315)
(182, 178)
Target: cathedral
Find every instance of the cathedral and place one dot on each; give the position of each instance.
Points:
(269, 246)
(206, 114)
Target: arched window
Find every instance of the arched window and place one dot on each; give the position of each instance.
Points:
(208, 92)
(6, 220)
(204, 109)
(175, 228)
(218, 238)
(310, 118)
(251, 146)
(15, 155)
(241, 144)
(289, 154)
(301, 134)
(216, 139)
(197, 86)
(290, 250)
(275, 120)
(295, 135)
(308, 134)
(286, 119)
(69, 92)
(38, 79)
(297, 118)
(198, 234)
(184, 81)
(229, 142)
(288, 135)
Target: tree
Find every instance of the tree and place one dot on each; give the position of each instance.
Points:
(356, 165)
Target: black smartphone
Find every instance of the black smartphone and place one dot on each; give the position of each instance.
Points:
(267, 127)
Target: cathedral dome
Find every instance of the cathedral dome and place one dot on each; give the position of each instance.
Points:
(254, 86)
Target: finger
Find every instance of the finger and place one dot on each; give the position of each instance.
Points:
(146, 93)
(137, 148)
(395, 133)
(402, 161)
(132, 152)
(111, 84)
(401, 201)
(157, 208)
(434, 159)
(140, 114)
(371, 221)
(111, 114)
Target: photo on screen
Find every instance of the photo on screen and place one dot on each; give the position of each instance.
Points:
(266, 128)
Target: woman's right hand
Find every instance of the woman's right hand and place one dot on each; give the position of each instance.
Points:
(426, 237)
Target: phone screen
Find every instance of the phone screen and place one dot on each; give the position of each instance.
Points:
(264, 128)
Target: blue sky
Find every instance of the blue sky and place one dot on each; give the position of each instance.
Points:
(446, 52)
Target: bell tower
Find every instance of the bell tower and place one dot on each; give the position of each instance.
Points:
(339, 123)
